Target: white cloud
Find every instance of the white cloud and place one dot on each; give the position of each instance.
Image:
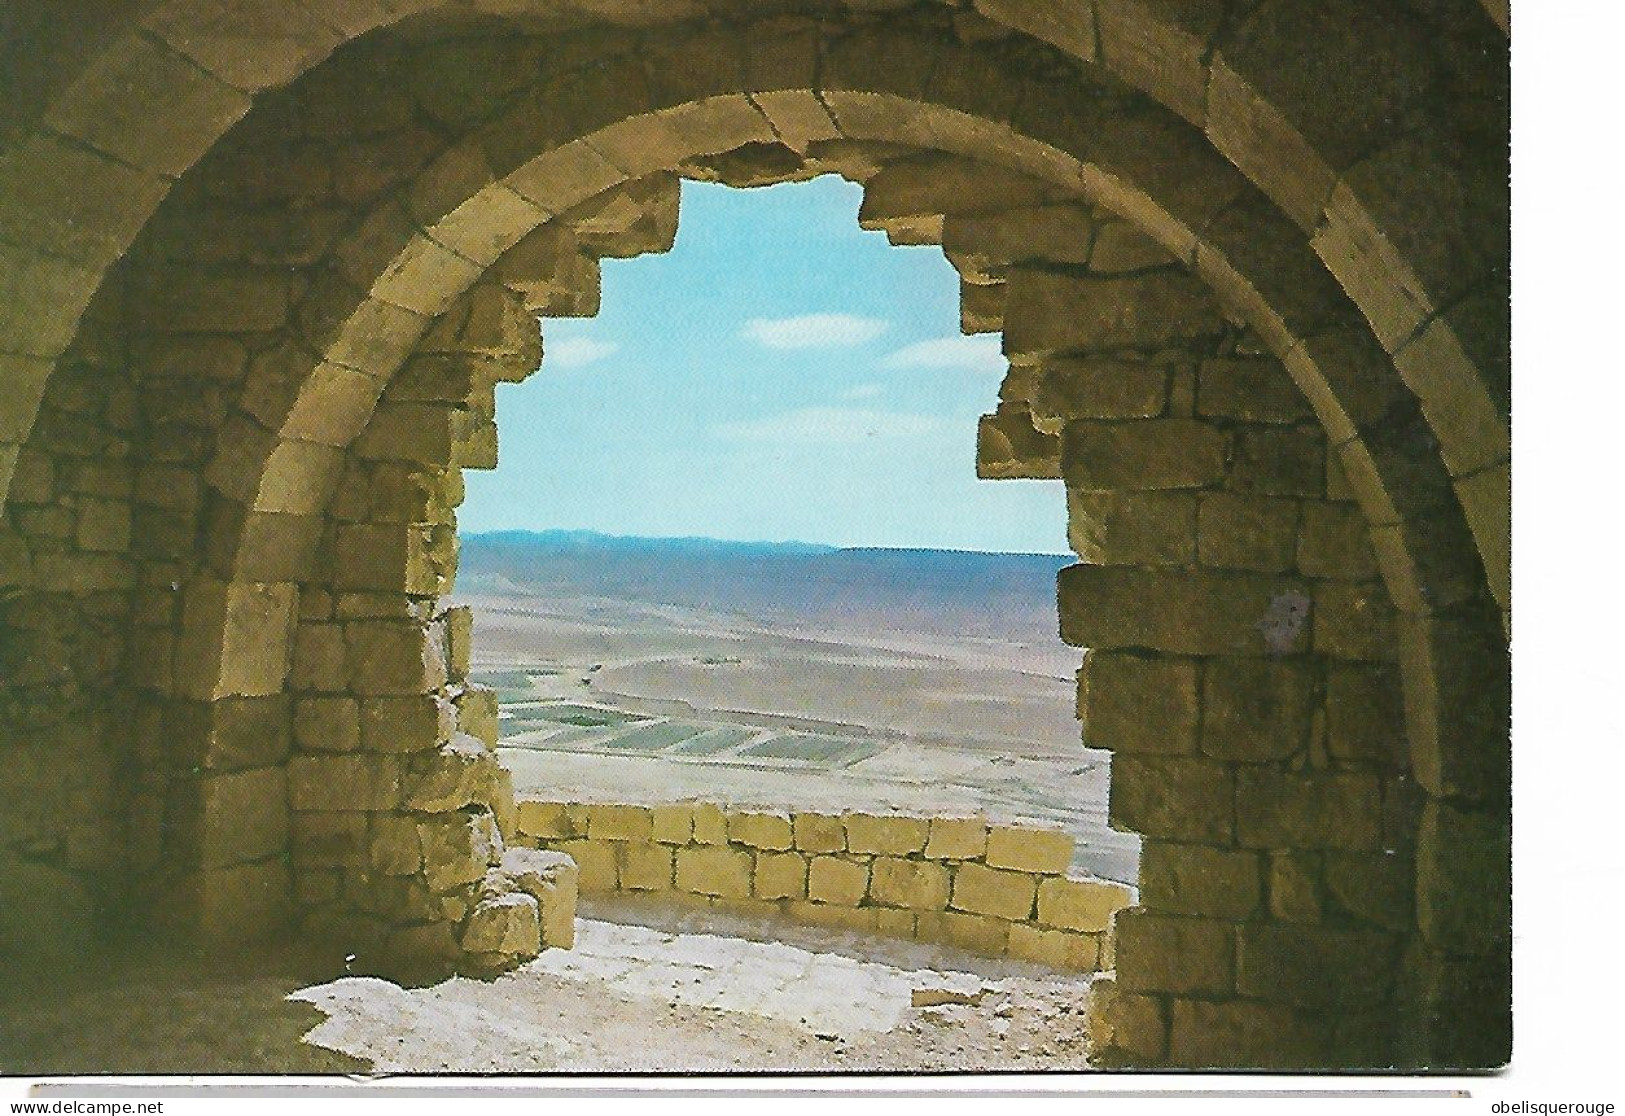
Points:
(813, 331)
(576, 352)
(980, 353)
(831, 426)
(863, 391)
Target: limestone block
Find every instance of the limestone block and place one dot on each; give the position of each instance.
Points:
(1142, 455)
(331, 839)
(1125, 1028)
(672, 823)
(392, 844)
(760, 830)
(937, 185)
(1139, 704)
(1072, 388)
(956, 838)
(1198, 880)
(457, 774)
(1279, 461)
(318, 658)
(1120, 247)
(1156, 953)
(1315, 966)
(629, 220)
(390, 657)
(551, 879)
(459, 623)
(1056, 948)
(1053, 312)
(1241, 1033)
(1334, 542)
(547, 820)
(388, 557)
(978, 889)
(981, 309)
(1174, 798)
(1377, 888)
(987, 243)
(645, 866)
(721, 872)
(509, 925)
(1354, 620)
(235, 638)
(1249, 389)
(1009, 447)
(477, 713)
(1247, 532)
(230, 734)
(1132, 528)
(1193, 612)
(837, 880)
(977, 933)
(406, 723)
(916, 885)
(458, 847)
(230, 905)
(818, 833)
(779, 875)
(834, 916)
(1256, 710)
(1075, 903)
(103, 525)
(619, 823)
(710, 824)
(1295, 887)
(344, 782)
(894, 923)
(243, 816)
(597, 863)
(1307, 810)
(885, 835)
(1029, 849)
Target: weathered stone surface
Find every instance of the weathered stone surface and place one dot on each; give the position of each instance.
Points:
(1125, 1028)
(1081, 904)
(1247, 532)
(1057, 948)
(1173, 798)
(1132, 528)
(1072, 388)
(1156, 953)
(344, 782)
(646, 866)
(672, 823)
(1198, 880)
(1140, 455)
(721, 872)
(819, 833)
(1028, 849)
(509, 925)
(917, 885)
(1308, 810)
(761, 830)
(977, 933)
(1256, 710)
(620, 823)
(956, 838)
(979, 889)
(837, 880)
(1009, 447)
(1208, 612)
(779, 875)
(885, 835)
(551, 879)
(1139, 704)
(458, 774)
(458, 847)
(1052, 312)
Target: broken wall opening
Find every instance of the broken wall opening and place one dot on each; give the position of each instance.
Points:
(220, 391)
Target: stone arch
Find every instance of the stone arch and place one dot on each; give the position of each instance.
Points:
(281, 457)
(1347, 175)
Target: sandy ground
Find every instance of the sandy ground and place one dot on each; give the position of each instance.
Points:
(946, 724)
(650, 987)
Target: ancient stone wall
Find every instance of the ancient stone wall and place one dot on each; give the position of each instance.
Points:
(1004, 890)
(1257, 326)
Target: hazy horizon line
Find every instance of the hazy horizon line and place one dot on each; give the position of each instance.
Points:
(803, 544)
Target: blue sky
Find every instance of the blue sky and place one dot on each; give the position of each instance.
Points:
(780, 374)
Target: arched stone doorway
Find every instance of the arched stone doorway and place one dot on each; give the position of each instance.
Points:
(231, 517)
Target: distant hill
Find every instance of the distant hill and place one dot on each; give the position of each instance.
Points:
(1001, 596)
